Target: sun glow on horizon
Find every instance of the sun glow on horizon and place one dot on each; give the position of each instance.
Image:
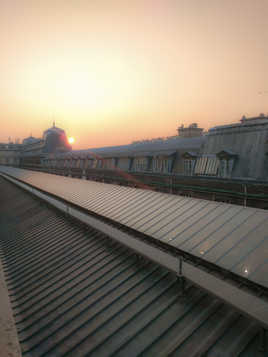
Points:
(71, 140)
(120, 73)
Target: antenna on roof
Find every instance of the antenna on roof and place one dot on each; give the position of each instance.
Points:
(53, 117)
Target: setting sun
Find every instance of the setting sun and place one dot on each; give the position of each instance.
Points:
(71, 140)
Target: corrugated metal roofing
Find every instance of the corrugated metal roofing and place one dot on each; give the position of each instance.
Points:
(77, 293)
(232, 237)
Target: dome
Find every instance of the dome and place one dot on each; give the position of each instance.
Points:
(55, 140)
(53, 130)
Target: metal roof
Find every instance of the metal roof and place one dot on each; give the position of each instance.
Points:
(77, 293)
(232, 237)
(114, 154)
(146, 146)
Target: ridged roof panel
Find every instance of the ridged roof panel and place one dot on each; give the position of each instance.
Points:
(232, 237)
(75, 292)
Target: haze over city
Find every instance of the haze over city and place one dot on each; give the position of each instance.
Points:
(110, 72)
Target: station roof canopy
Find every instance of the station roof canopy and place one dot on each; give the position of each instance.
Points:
(232, 237)
(146, 146)
(76, 292)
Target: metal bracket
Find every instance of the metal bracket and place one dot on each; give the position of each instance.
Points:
(262, 340)
(180, 277)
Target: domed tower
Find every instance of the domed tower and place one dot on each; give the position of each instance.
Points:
(55, 140)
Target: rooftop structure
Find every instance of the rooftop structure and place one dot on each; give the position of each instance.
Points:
(75, 291)
(244, 122)
(31, 150)
(191, 131)
(235, 152)
(248, 143)
(30, 140)
(232, 237)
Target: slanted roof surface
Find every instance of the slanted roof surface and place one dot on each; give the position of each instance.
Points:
(232, 237)
(146, 146)
(77, 293)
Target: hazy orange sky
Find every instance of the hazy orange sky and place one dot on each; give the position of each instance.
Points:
(110, 72)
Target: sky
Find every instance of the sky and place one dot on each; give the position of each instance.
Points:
(110, 72)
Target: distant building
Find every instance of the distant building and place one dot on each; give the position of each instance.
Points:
(32, 149)
(55, 141)
(189, 132)
(29, 140)
(236, 150)
(9, 154)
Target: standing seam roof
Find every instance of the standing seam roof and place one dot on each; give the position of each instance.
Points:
(232, 237)
(75, 292)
